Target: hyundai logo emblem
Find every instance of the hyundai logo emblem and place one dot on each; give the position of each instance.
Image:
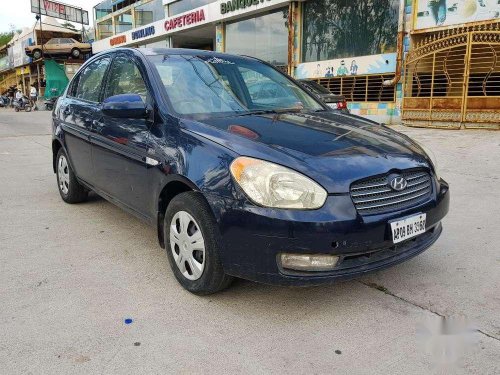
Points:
(398, 183)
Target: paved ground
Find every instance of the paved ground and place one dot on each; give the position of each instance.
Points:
(71, 274)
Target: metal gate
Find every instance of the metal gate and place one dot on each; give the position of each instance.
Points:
(452, 79)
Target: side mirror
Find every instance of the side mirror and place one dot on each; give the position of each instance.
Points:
(125, 106)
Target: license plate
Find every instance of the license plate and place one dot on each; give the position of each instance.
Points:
(407, 228)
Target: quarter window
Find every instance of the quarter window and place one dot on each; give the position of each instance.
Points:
(90, 80)
(125, 78)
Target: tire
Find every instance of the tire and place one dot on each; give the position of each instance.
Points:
(37, 54)
(191, 208)
(75, 52)
(16, 109)
(27, 108)
(70, 189)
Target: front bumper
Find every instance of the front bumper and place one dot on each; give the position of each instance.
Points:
(254, 237)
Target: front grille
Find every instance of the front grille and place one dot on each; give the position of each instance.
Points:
(376, 196)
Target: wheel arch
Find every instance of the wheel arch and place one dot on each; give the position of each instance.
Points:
(171, 189)
(56, 146)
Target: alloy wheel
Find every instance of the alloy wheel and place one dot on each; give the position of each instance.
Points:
(187, 245)
(63, 174)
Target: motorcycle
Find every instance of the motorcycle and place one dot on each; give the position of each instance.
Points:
(22, 104)
(50, 103)
(4, 101)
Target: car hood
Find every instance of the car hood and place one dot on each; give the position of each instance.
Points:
(333, 148)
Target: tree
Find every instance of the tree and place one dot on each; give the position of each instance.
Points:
(5, 37)
(344, 28)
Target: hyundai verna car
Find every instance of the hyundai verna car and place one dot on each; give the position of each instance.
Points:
(286, 192)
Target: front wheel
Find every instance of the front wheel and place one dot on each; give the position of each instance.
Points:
(70, 189)
(193, 244)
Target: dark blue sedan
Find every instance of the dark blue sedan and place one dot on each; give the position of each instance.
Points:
(267, 185)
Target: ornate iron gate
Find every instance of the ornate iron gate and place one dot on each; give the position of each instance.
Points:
(452, 79)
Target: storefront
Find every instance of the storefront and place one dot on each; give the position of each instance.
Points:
(251, 27)
(452, 73)
(351, 48)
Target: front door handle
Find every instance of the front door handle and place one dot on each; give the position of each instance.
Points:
(66, 111)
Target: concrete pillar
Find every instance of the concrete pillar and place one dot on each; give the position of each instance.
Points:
(220, 37)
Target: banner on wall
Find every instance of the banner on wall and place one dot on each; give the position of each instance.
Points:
(437, 13)
(18, 50)
(352, 66)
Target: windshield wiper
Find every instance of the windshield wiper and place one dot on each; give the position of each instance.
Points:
(275, 111)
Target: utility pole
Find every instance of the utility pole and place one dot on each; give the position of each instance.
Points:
(39, 16)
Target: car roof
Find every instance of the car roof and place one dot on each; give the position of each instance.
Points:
(177, 51)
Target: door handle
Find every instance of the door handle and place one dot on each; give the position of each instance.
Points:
(66, 111)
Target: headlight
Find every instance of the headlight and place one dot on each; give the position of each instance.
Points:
(272, 185)
(432, 157)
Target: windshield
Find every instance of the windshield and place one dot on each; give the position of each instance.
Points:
(209, 85)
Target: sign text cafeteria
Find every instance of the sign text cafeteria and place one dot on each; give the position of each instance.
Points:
(184, 20)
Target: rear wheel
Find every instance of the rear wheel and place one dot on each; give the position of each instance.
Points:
(75, 53)
(70, 189)
(193, 244)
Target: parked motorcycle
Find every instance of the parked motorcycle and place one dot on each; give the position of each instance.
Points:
(22, 104)
(4, 101)
(50, 103)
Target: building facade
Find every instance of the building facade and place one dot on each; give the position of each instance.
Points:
(349, 47)
(452, 72)
(50, 75)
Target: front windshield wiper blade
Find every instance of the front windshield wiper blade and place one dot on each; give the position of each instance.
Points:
(275, 111)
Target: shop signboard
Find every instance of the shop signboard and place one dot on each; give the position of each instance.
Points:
(116, 40)
(60, 10)
(352, 66)
(203, 15)
(187, 19)
(233, 5)
(438, 13)
(144, 32)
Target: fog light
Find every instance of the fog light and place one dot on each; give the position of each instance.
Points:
(309, 262)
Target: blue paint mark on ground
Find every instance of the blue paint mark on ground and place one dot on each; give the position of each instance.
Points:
(128, 321)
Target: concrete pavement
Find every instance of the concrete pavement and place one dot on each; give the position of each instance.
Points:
(71, 274)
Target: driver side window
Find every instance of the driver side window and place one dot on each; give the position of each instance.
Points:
(125, 78)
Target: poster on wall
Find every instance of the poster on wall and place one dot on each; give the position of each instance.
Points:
(352, 66)
(437, 13)
(18, 50)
